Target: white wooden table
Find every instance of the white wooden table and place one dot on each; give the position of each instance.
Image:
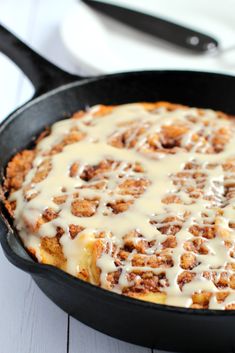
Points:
(29, 321)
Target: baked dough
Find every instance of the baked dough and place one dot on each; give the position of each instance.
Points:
(137, 199)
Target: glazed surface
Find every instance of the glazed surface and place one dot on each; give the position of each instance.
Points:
(137, 199)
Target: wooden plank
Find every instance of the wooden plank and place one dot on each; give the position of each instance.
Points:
(29, 321)
(14, 283)
(43, 326)
(86, 340)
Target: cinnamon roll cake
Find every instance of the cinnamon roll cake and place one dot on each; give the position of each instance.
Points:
(138, 199)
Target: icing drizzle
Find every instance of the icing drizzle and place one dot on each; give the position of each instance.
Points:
(154, 187)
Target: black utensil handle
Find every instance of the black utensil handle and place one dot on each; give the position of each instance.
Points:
(157, 27)
(43, 74)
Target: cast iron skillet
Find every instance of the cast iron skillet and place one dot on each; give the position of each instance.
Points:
(59, 94)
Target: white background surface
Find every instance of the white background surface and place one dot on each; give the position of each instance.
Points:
(110, 46)
(29, 322)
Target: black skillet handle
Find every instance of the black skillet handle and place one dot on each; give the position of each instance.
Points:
(43, 74)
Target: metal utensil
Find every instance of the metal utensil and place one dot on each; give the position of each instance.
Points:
(171, 32)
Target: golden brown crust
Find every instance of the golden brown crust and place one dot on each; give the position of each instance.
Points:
(73, 136)
(84, 208)
(103, 110)
(147, 285)
(51, 252)
(17, 169)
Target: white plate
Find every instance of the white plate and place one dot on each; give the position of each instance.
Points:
(101, 45)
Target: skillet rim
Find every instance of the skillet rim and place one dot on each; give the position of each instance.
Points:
(81, 81)
(37, 269)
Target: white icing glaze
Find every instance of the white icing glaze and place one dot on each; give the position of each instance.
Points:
(161, 170)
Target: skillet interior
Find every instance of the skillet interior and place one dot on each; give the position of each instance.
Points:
(134, 321)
